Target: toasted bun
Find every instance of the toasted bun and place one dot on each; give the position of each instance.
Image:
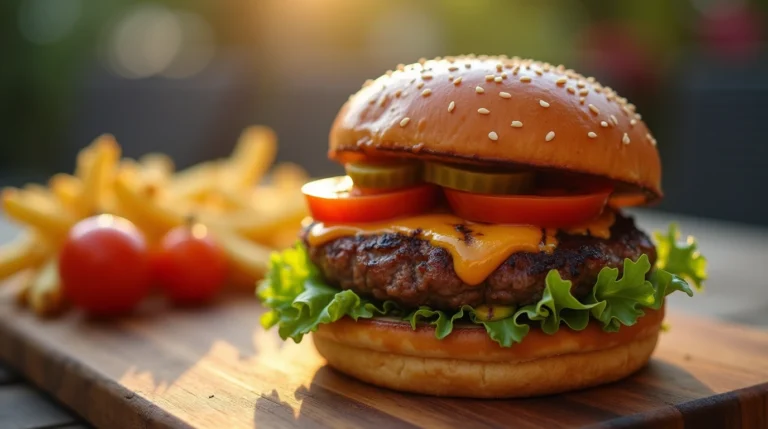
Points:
(430, 110)
(467, 363)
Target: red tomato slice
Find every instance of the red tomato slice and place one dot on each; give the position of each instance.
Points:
(541, 210)
(334, 200)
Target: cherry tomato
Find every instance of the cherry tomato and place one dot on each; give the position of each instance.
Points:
(335, 200)
(104, 265)
(190, 267)
(547, 209)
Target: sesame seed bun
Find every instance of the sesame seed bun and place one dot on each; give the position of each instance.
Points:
(501, 111)
(467, 363)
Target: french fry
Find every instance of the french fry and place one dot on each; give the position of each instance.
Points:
(24, 285)
(26, 251)
(156, 168)
(139, 201)
(255, 152)
(195, 182)
(244, 255)
(45, 297)
(67, 189)
(96, 169)
(39, 211)
(289, 176)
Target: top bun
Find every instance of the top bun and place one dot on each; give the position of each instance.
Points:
(504, 112)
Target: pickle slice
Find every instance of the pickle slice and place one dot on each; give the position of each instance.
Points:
(479, 182)
(378, 176)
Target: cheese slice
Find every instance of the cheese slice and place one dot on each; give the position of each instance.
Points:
(477, 249)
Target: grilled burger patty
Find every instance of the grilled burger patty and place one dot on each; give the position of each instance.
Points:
(412, 272)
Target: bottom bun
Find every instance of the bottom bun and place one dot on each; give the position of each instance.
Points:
(467, 363)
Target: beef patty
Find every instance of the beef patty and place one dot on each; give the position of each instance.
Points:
(412, 272)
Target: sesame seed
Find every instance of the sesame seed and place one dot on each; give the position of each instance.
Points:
(505, 95)
(499, 67)
(398, 93)
(400, 67)
(488, 77)
(483, 111)
(457, 81)
(580, 85)
(427, 92)
(467, 65)
(451, 106)
(420, 85)
(479, 89)
(561, 81)
(571, 90)
(598, 89)
(497, 79)
(592, 135)
(368, 82)
(582, 100)
(405, 93)
(584, 91)
(632, 122)
(591, 79)
(493, 136)
(550, 136)
(525, 79)
(547, 67)
(426, 76)
(450, 77)
(543, 103)
(515, 70)
(538, 72)
(388, 73)
(614, 120)
(452, 68)
(638, 116)
(604, 124)
(371, 101)
(383, 101)
(405, 121)
(594, 109)
(625, 139)
(504, 75)
(422, 60)
(517, 124)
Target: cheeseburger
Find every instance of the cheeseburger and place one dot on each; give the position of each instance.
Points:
(477, 246)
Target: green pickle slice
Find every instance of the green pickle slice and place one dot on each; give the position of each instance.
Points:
(381, 176)
(479, 182)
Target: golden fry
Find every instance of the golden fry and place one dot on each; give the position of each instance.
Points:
(42, 212)
(194, 182)
(67, 189)
(251, 158)
(24, 285)
(244, 255)
(140, 202)
(45, 297)
(288, 175)
(97, 172)
(26, 251)
(156, 168)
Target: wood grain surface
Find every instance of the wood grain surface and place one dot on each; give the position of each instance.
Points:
(217, 368)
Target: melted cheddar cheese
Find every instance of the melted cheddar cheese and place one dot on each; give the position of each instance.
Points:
(477, 249)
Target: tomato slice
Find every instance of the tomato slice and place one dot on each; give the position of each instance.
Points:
(334, 200)
(546, 209)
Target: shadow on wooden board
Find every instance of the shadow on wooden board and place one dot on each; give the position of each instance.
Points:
(642, 399)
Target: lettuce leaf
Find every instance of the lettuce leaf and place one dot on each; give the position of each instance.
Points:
(681, 258)
(299, 300)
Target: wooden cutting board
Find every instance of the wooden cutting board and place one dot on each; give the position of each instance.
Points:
(218, 369)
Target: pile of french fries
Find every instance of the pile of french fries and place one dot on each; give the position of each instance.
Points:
(249, 212)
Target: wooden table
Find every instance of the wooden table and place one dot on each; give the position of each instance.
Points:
(217, 367)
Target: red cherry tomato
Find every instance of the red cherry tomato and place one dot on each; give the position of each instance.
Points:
(190, 267)
(335, 200)
(104, 266)
(551, 208)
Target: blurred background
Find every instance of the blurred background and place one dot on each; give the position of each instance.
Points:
(186, 76)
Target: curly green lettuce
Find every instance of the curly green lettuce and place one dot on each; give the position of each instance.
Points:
(299, 300)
